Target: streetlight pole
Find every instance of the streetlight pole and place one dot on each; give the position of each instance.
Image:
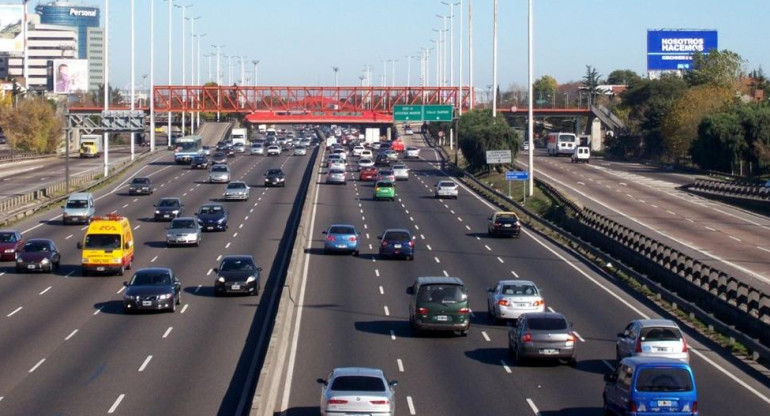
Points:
(219, 80)
(451, 41)
(151, 93)
(106, 82)
(393, 72)
(256, 71)
(530, 112)
(25, 68)
(192, 67)
(336, 70)
(460, 85)
(170, 53)
(133, 80)
(184, 75)
(494, 61)
(198, 79)
(470, 54)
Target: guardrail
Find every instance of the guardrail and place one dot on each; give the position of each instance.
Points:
(24, 156)
(735, 308)
(738, 189)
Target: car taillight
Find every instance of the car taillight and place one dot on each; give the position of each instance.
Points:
(632, 406)
(571, 338)
(411, 244)
(527, 337)
(695, 406)
(539, 302)
(497, 224)
(463, 311)
(384, 243)
(503, 302)
(684, 345)
(352, 239)
(337, 401)
(376, 189)
(378, 402)
(330, 238)
(638, 348)
(422, 311)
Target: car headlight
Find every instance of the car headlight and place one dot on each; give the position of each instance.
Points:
(176, 211)
(19, 260)
(45, 261)
(84, 260)
(221, 279)
(251, 279)
(169, 235)
(157, 211)
(116, 260)
(165, 296)
(10, 250)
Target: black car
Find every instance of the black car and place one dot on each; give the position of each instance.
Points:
(155, 288)
(275, 177)
(222, 145)
(199, 162)
(37, 254)
(212, 217)
(141, 186)
(229, 151)
(219, 157)
(168, 208)
(382, 160)
(237, 274)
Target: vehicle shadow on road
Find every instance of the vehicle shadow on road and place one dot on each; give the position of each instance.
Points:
(114, 307)
(299, 411)
(203, 291)
(572, 411)
(155, 244)
(384, 327)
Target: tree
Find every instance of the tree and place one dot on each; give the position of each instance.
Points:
(545, 87)
(623, 77)
(719, 68)
(481, 132)
(591, 82)
(32, 126)
(721, 142)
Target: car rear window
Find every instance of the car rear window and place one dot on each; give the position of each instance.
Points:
(661, 334)
(521, 290)
(358, 383)
(663, 379)
(442, 293)
(342, 230)
(140, 180)
(384, 184)
(446, 184)
(219, 168)
(547, 324)
(396, 236)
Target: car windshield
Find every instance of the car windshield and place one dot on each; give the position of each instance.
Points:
(151, 279)
(341, 229)
(182, 224)
(397, 236)
(519, 290)
(219, 169)
(140, 181)
(77, 203)
(336, 172)
(663, 379)
(236, 185)
(274, 172)
(36, 247)
(440, 293)
(661, 334)
(236, 265)
(168, 203)
(8, 238)
(214, 209)
(102, 241)
(358, 383)
(547, 324)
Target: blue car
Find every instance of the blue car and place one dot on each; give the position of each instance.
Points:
(397, 243)
(341, 238)
(642, 386)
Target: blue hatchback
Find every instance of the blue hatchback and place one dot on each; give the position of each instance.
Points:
(397, 243)
(341, 238)
(642, 386)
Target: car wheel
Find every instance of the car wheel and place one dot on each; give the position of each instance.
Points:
(517, 358)
(605, 407)
(355, 253)
(122, 270)
(256, 291)
(464, 333)
(172, 308)
(617, 355)
(127, 311)
(179, 299)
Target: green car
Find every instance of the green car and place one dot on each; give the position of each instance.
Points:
(439, 304)
(384, 190)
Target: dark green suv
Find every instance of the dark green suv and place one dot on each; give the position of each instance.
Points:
(439, 304)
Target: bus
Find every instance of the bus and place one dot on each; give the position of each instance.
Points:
(558, 144)
(187, 147)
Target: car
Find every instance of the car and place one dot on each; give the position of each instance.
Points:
(199, 162)
(79, 208)
(525, 145)
(337, 163)
(222, 145)
(504, 223)
(581, 154)
(384, 190)
(367, 174)
(11, 241)
(650, 386)
(273, 150)
(386, 175)
(382, 161)
(652, 338)
(206, 150)
(341, 238)
(168, 208)
(141, 186)
(237, 190)
(401, 172)
(37, 254)
(445, 189)
(390, 153)
(275, 177)
(509, 299)
(439, 304)
(152, 288)
(183, 231)
(219, 173)
(212, 217)
(412, 153)
(333, 157)
(342, 152)
(408, 131)
(396, 242)
(229, 151)
(237, 274)
(544, 336)
(219, 158)
(357, 391)
(357, 150)
(300, 150)
(365, 163)
(257, 149)
(336, 175)
(376, 145)
(239, 148)
(366, 154)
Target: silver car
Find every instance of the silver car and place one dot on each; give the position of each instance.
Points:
(237, 190)
(300, 150)
(542, 335)
(183, 230)
(257, 149)
(412, 152)
(219, 173)
(401, 172)
(509, 299)
(336, 175)
(357, 391)
(652, 338)
(446, 189)
(273, 150)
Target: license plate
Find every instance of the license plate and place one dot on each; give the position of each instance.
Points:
(146, 303)
(396, 245)
(31, 266)
(442, 318)
(209, 228)
(665, 403)
(100, 269)
(507, 225)
(235, 287)
(549, 351)
(522, 305)
(165, 215)
(341, 246)
(661, 349)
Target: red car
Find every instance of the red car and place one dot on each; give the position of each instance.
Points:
(368, 174)
(10, 243)
(397, 145)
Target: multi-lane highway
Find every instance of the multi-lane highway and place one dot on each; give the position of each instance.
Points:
(66, 348)
(353, 312)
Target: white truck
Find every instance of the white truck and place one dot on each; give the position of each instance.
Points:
(239, 136)
(372, 135)
(262, 128)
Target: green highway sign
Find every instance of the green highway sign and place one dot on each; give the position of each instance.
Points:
(423, 112)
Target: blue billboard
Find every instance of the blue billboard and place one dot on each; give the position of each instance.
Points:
(669, 50)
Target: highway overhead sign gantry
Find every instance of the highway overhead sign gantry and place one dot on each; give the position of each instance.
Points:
(423, 112)
(498, 156)
(407, 113)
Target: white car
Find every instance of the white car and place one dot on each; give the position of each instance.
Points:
(273, 150)
(412, 153)
(357, 150)
(257, 149)
(333, 157)
(343, 154)
(365, 163)
(446, 189)
(401, 172)
(366, 154)
(338, 164)
(509, 299)
(357, 391)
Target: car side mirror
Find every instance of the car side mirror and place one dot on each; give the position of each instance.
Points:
(323, 232)
(410, 290)
(621, 335)
(80, 245)
(490, 289)
(259, 269)
(379, 237)
(155, 205)
(127, 246)
(125, 283)
(490, 218)
(321, 381)
(393, 383)
(610, 378)
(215, 270)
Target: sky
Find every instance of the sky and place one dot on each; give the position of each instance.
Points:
(298, 42)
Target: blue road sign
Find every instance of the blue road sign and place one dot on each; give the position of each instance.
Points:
(516, 175)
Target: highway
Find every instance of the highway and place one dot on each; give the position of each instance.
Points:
(66, 348)
(647, 199)
(353, 312)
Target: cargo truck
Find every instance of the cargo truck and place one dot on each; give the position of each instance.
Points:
(90, 145)
(239, 136)
(372, 135)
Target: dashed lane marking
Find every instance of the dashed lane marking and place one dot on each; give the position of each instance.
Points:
(144, 364)
(46, 290)
(387, 312)
(437, 260)
(410, 404)
(72, 334)
(578, 336)
(533, 407)
(168, 331)
(382, 291)
(184, 308)
(500, 260)
(39, 363)
(505, 366)
(393, 335)
(400, 365)
(117, 402)
(486, 337)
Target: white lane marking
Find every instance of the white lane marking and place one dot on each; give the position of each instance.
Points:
(437, 260)
(578, 336)
(393, 335)
(400, 365)
(153, 259)
(168, 331)
(581, 183)
(72, 334)
(428, 246)
(690, 219)
(387, 312)
(654, 206)
(125, 206)
(184, 308)
(241, 226)
(487, 247)
(370, 246)
(96, 312)
(710, 229)
(735, 238)
(39, 363)
(629, 195)
(411, 405)
(363, 218)
(209, 272)
(137, 227)
(367, 236)
(486, 337)
(533, 407)
(622, 184)
(365, 227)
(377, 272)
(382, 291)
(608, 364)
(477, 237)
(446, 273)
(144, 364)
(227, 245)
(246, 218)
(411, 219)
(468, 228)
(416, 227)
(500, 260)
(68, 237)
(550, 309)
(763, 249)
(121, 290)
(219, 257)
(671, 212)
(46, 290)
(117, 402)
(251, 210)
(197, 288)
(459, 219)
(505, 366)
(422, 236)
(514, 274)
(235, 235)
(451, 211)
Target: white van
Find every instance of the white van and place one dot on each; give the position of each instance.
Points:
(581, 154)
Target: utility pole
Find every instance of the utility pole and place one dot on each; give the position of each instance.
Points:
(151, 92)
(219, 80)
(170, 53)
(494, 61)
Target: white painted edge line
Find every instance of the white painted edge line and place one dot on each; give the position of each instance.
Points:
(578, 336)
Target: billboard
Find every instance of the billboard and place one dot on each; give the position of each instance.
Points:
(11, 16)
(70, 75)
(671, 50)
